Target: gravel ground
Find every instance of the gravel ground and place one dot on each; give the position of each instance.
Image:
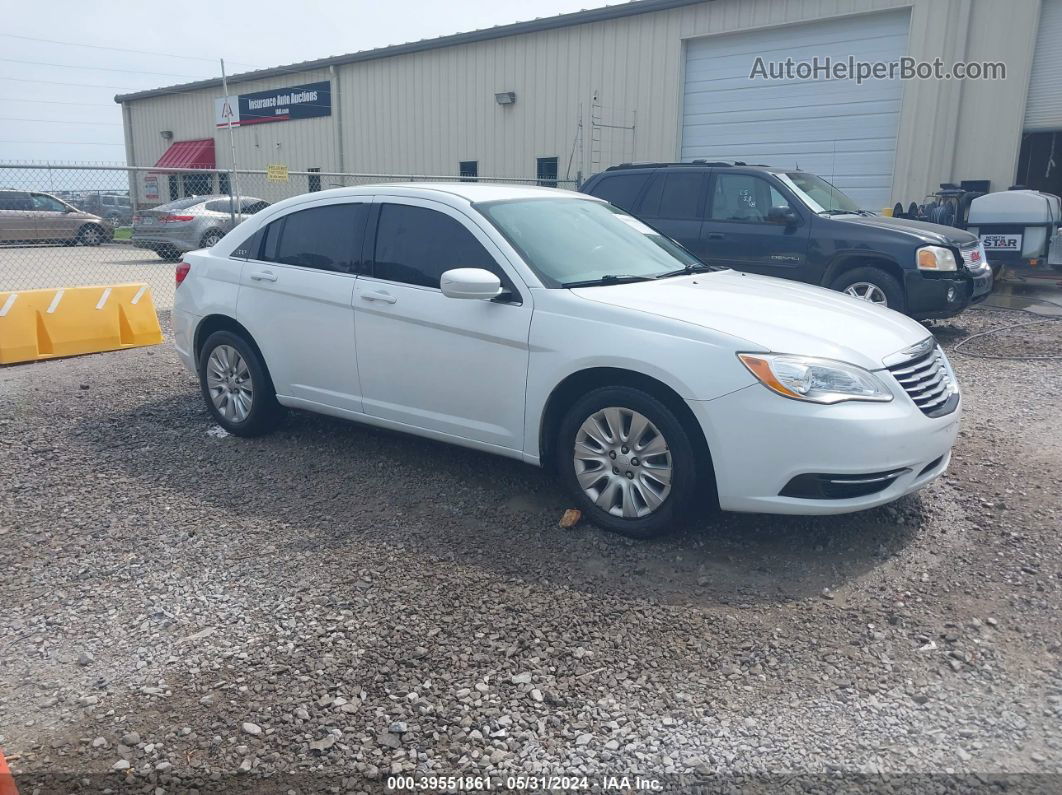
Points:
(330, 605)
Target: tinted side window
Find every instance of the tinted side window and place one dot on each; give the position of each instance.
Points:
(327, 238)
(416, 245)
(743, 197)
(622, 190)
(12, 200)
(675, 195)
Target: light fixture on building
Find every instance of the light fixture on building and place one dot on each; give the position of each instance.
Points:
(505, 97)
(167, 134)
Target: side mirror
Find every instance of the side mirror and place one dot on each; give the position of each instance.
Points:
(782, 215)
(470, 283)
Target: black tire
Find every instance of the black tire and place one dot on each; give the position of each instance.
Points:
(265, 412)
(90, 235)
(211, 234)
(670, 512)
(886, 282)
(168, 253)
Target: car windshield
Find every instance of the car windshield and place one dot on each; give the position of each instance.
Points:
(817, 193)
(574, 241)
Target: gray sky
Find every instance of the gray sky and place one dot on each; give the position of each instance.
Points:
(40, 80)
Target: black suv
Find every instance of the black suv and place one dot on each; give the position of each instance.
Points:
(794, 224)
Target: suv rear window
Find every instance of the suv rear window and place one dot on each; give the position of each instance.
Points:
(621, 190)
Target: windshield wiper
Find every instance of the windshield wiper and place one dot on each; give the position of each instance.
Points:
(835, 211)
(610, 278)
(695, 267)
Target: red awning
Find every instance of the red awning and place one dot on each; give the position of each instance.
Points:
(189, 154)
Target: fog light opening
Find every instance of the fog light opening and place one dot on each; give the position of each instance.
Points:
(951, 294)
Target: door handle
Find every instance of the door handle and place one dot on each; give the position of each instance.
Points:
(716, 235)
(264, 276)
(379, 295)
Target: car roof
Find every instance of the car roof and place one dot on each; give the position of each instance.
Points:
(471, 192)
(699, 164)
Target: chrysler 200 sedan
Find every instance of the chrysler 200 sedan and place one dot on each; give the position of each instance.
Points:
(551, 327)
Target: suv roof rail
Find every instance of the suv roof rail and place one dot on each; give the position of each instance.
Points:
(711, 163)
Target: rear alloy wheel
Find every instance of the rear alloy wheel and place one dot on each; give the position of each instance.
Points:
(872, 285)
(211, 239)
(90, 236)
(627, 460)
(236, 386)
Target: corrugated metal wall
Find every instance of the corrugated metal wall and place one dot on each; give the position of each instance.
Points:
(580, 88)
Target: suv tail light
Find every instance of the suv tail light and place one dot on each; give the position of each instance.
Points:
(176, 219)
(182, 272)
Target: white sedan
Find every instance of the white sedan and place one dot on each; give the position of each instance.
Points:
(551, 327)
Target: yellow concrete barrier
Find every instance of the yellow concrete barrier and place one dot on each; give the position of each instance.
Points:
(45, 324)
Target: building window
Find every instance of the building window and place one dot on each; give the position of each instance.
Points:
(223, 184)
(467, 169)
(314, 179)
(547, 172)
(175, 188)
(197, 184)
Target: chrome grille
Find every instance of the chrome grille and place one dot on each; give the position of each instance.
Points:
(929, 381)
(973, 257)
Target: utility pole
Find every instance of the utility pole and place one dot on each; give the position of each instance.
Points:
(234, 175)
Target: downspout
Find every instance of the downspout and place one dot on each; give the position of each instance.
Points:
(338, 113)
(130, 157)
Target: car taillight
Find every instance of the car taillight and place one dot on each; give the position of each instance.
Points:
(175, 219)
(182, 272)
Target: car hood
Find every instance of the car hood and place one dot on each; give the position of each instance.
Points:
(771, 314)
(931, 234)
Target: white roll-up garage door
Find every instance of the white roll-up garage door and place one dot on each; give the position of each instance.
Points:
(838, 129)
(1043, 109)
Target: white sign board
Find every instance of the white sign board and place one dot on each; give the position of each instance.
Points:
(1001, 242)
(227, 109)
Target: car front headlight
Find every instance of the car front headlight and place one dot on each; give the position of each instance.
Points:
(814, 380)
(936, 258)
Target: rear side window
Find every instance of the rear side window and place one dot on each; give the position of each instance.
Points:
(13, 200)
(622, 190)
(326, 238)
(675, 195)
(181, 204)
(415, 245)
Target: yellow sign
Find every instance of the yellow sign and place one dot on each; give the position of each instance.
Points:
(277, 173)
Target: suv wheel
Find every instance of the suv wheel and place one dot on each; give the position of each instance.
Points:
(873, 285)
(236, 385)
(626, 459)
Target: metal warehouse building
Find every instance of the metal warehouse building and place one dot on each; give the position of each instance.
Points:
(567, 96)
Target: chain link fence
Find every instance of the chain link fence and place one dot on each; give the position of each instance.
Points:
(79, 225)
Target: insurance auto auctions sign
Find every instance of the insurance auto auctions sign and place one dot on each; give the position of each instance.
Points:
(294, 102)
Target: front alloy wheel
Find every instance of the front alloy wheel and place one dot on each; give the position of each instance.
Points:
(623, 462)
(627, 460)
(866, 291)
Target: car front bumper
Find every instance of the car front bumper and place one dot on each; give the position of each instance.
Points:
(928, 296)
(760, 442)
